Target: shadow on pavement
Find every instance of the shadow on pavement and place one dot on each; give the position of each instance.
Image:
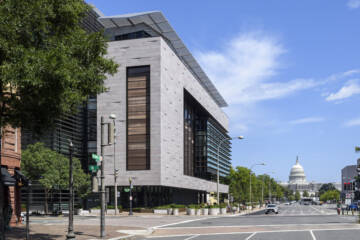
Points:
(19, 233)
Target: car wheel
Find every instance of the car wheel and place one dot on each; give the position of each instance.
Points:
(277, 212)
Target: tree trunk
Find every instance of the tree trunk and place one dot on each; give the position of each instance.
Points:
(46, 205)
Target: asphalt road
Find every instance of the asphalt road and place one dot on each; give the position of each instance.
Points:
(295, 222)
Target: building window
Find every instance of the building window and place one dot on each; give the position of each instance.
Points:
(202, 134)
(133, 35)
(138, 118)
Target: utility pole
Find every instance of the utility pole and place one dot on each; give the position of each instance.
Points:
(270, 190)
(71, 234)
(113, 117)
(262, 191)
(102, 177)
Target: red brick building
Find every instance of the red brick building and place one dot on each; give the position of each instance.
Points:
(10, 161)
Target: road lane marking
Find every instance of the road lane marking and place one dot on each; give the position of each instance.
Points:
(186, 221)
(312, 235)
(316, 209)
(192, 237)
(252, 233)
(250, 236)
(270, 225)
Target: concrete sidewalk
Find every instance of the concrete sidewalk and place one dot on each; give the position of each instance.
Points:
(57, 232)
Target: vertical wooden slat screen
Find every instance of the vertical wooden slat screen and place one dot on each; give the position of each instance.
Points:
(138, 118)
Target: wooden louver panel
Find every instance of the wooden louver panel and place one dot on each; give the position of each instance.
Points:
(138, 147)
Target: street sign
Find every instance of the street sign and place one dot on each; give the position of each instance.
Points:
(96, 157)
(126, 189)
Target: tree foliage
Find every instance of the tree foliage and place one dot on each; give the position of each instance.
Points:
(261, 186)
(326, 187)
(332, 195)
(297, 195)
(51, 170)
(48, 63)
(305, 194)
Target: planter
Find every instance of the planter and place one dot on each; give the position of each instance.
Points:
(235, 209)
(78, 211)
(205, 211)
(176, 211)
(169, 211)
(160, 211)
(198, 212)
(222, 210)
(190, 211)
(213, 211)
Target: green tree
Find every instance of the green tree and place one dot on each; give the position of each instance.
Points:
(48, 63)
(51, 170)
(305, 194)
(297, 195)
(332, 195)
(239, 184)
(326, 187)
(239, 181)
(291, 197)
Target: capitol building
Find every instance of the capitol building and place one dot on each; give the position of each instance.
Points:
(297, 181)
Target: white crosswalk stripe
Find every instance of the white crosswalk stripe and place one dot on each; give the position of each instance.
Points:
(312, 210)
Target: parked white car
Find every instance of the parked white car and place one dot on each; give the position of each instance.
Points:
(271, 208)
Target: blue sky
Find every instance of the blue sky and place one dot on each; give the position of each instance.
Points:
(289, 70)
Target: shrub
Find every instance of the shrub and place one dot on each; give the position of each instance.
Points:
(223, 205)
(177, 206)
(213, 206)
(193, 206)
(163, 207)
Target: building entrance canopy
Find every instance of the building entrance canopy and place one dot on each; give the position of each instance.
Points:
(6, 178)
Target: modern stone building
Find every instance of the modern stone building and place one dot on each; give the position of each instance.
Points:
(170, 115)
(348, 175)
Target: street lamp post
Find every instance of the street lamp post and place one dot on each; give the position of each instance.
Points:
(218, 165)
(113, 117)
(130, 197)
(71, 234)
(256, 164)
(262, 190)
(270, 190)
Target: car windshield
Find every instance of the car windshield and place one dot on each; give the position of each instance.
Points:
(271, 205)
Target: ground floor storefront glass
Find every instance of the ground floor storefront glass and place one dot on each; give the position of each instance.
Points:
(152, 196)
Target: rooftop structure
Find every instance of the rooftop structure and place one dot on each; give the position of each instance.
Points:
(160, 26)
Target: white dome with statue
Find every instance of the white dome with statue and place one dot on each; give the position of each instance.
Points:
(297, 174)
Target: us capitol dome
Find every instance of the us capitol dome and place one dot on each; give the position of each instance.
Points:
(297, 174)
(297, 181)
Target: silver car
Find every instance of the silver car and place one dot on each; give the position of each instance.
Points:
(271, 208)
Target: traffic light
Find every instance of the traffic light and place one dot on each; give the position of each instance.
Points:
(95, 167)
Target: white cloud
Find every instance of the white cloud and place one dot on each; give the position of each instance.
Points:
(353, 4)
(351, 88)
(307, 120)
(352, 122)
(244, 66)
